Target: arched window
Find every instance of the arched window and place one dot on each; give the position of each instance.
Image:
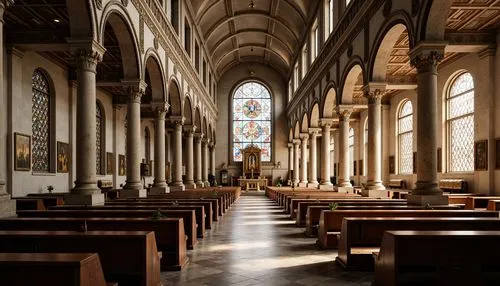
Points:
(252, 119)
(365, 157)
(460, 124)
(405, 138)
(347, 2)
(147, 147)
(351, 150)
(100, 136)
(40, 121)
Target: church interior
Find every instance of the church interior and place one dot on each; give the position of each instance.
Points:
(249, 142)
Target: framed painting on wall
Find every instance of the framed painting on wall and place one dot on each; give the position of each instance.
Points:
(121, 165)
(481, 155)
(110, 163)
(392, 165)
(22, 152)
(63, 158)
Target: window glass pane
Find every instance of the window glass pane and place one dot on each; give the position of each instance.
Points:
(252, 120)
(461, 105)
(351, 150)
(40, 121)
(98, 129)
(405, 138)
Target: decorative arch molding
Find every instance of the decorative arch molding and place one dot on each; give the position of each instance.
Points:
(304, 123)
(386, 38)
(127, 38)
(431, 11)
(153, 65)
(314, 115)
(349, 78)
(329, 98)
(197, 120)
(174, 97)
(296, 130)
(187, 111)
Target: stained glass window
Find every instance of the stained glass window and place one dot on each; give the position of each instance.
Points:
(460, 124)
(405, 138)
(40, 121)
(351, 151)
(99, 130)
(252, 120)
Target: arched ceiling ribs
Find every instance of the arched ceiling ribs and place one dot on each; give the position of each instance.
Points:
(281, 70)
(255, 47)
(249, 13)
(257, 31)
(298, 10)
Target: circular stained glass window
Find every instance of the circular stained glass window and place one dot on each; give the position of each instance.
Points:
(252, 130)
(252, 109)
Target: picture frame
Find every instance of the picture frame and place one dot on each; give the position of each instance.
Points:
(414, 162)
(110, 163)
(121, 165)
(497, 154)
(439, 160)
(392, 164)
(481, 155)
(361, 168)
(63, 157)
(22, 152)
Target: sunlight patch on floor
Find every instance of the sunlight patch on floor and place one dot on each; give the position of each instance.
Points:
(274, 222)
(240, 246)
(281, 262)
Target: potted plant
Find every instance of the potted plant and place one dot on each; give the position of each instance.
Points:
(157, 215)
(333, 206)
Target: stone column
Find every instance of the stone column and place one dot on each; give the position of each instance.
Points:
(197, 160)
(296, 156)
(290, 161)
(426, 57)
(326, 124)
(133, 186)
(177, 184)
(87, 55)
(189, 180)
(212, 160)
(313, 158)
(160, 184)
(344, 179)
(303, 159)
(204, 165)
(7, 206)
(374, 187)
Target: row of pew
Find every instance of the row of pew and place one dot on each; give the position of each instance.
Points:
(125, 241)
(454, 244)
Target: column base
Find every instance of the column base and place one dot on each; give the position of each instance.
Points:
(206, 184)
(199, 184)
(159, 190)
(312, 185)
(375, 186)
(177, 188)
(328, 187)
(422, 200)
(374, 193)
(296, 183)
(84, 199)
(7, 206)
(133, 193)
(302, 185)
(344, 190)
(190, 186)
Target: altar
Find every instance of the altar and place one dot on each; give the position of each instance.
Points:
(251, 180)
(253, 184)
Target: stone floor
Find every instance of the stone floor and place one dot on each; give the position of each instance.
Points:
(256, 244)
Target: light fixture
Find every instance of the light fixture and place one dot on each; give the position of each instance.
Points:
(251, 5)
(251, 49)
(57, 20)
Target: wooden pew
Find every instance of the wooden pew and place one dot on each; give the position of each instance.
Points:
(300, 205)
(438, 258)
(189, 227)
(127, 257)
(169, 234)
(25, 203)
(329, 195)
(472, 203)
(217, 202)
(55, 269)
(493, 205)
(361, 236)
(198, 223)
(330, 222)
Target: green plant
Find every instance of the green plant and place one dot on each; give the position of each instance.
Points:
(157, 214)
(333, 206)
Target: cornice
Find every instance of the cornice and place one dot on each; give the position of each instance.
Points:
(167, 37)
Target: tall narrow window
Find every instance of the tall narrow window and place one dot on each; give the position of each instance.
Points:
(405, 138)
(290, 92)
(187, 37)
(40, 121)
(204, 72)
(197, 57)
(252, 119)
(174, 15)
(100, 135)
(314, 43)
(147, 145)
(330, 18)
(304, 61)
(365, 161)
(460, 124)
(295, 77)
(351, 151)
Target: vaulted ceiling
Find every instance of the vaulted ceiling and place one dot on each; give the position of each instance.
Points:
(268, 32)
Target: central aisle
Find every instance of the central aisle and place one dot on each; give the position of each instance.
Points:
(255, 243)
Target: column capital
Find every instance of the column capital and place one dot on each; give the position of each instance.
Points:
(426, 56)
(344, 112)
(190, 130)
(199, 135)
(326, 122)
(177, 120)
(135, 89)
(374, 91)
(296, 142)
(290, 144)
(160, 109)
(86, 52)
(314, 131)
(304, 136)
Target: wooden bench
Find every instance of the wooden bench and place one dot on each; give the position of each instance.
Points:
(55, 269)
(330, 222)
(127, 257)
(25, 204)
(453, 185)
(493, 205)
(397, 184)
(169, 232)
(361, 236)
(218, 203)
(460, 198)
(438, 258)
(106, 187)
(198, 223)
(329, 195)
(472, 203)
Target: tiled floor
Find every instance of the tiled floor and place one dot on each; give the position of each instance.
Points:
(256, 244)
